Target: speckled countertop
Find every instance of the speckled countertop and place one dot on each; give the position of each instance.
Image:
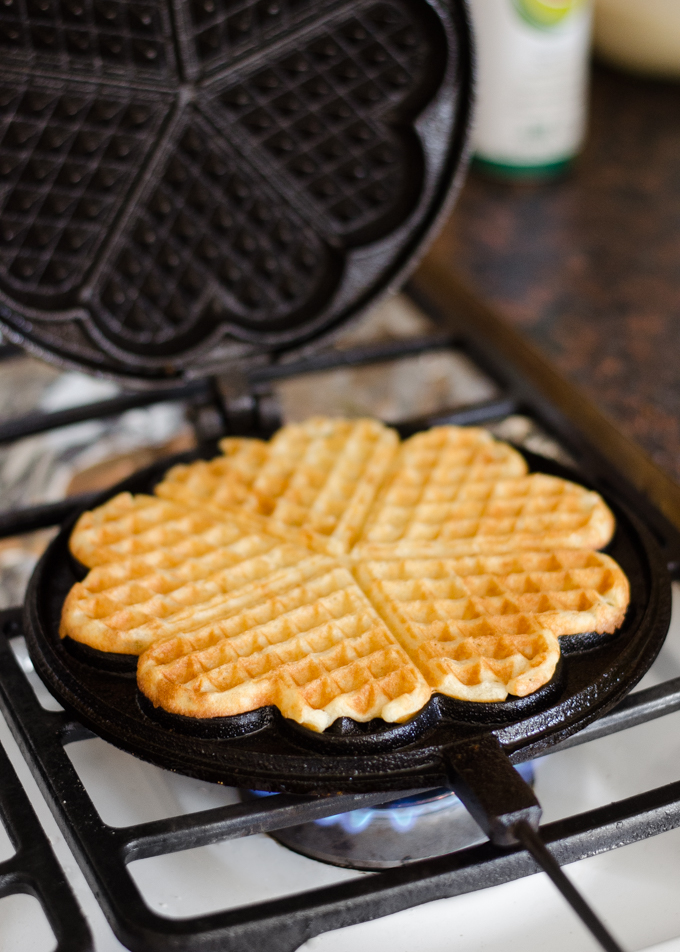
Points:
(589, 268)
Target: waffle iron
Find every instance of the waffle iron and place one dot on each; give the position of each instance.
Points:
(264, 750)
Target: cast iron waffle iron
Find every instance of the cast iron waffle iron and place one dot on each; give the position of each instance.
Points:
(189, 183)
(264, 750)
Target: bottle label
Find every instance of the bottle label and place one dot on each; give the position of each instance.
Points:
(532, 60)
(546, 14)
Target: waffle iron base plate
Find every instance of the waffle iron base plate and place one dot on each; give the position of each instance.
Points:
(263, 750)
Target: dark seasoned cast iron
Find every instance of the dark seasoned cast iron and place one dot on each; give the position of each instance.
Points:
(186, 183)
(264, 750)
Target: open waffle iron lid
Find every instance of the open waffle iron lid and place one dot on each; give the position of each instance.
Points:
(188, 184)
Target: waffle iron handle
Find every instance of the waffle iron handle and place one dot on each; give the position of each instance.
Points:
(506, 809)
(491, 789)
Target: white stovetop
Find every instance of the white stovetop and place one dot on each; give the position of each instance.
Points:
(635, 889)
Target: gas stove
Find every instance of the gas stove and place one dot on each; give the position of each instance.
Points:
(168, 862)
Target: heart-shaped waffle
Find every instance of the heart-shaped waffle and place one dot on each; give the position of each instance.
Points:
(446, 492)
(257, 578)
(185, 183)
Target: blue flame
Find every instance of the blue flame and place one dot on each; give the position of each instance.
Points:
(401, 818)
(401, 815)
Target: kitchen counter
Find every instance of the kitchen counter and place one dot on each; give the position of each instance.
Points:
(587, 269)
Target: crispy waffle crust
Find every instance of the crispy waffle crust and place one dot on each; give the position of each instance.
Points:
(335, 572)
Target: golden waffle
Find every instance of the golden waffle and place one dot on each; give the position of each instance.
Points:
(412, 520)
(451, 491)
(123, 526)
(480, 628)
(179, 570)
(474, 629)
(225, 482)
(235, 609)
(324, 474)
(318, 651)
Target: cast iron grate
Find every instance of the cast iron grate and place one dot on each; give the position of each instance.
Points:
(33, 869)
(284, 924)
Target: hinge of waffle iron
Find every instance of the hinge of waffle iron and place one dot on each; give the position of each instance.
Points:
(235, 408)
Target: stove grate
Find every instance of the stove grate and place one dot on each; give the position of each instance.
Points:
(33, 868)
(104, 851)
(283, 924)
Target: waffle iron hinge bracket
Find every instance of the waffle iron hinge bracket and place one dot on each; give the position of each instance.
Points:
(493, 792)
(242, 409)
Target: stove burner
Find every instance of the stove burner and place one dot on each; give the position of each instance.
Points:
(418, 827)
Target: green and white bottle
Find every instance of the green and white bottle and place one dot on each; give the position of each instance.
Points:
(532, 59)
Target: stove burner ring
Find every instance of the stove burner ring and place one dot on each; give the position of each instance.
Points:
(393, 834)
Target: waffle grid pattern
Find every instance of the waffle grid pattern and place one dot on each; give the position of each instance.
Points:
(319, 653)
(303, 109)
(222, 482)
(326, 475)
(93, 36)
(226, 28)
(65, 163)
(230, 246)
(163, 569)
(441, 478)
(489, 516)
(484, 659)
(222, 601)
(208, 233)
(451, 595)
